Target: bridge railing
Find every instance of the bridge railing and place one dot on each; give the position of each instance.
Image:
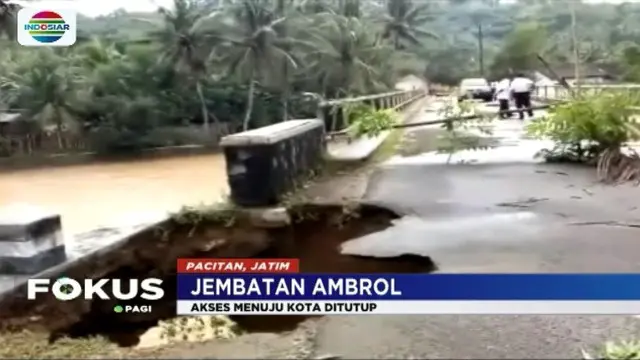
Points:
(559, 92)
(335, 113)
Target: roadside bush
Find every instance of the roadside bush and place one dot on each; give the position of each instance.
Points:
(125, 125)
(629, 350)
(459, 134)
(365, 120)
(594, 130)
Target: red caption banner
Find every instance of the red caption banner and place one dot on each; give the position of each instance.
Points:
(238, 266)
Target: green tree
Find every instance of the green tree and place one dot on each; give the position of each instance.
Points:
(519, 50)
(8, 24)
(139, 76)
(403, 22)
(187, 39)
(97, 52)
(283, 8)
(448, 66)
(350, 8)
(46, 89)
(252, 49)
(311, 7)
(347, 57)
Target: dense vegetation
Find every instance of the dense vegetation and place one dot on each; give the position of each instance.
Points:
(225, 67)
(135, 79)
(513, 31)
(595, 129)
(607, 34)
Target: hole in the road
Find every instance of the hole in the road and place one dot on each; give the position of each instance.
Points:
(314, 237)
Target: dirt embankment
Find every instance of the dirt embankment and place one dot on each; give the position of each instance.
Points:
(311, 233)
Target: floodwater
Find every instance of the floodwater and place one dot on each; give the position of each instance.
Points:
(107, 194)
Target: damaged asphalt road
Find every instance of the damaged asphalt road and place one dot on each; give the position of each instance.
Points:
(494, 217)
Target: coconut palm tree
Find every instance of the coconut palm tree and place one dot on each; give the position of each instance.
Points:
(310, 7)
(187, 39)
(350, 8)
(253, 49)
(347, 57)
(97, 52)
(8, 14)
(403, 20)
(282, 8)
(46, 87)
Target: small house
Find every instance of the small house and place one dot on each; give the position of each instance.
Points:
(7, 121)
(589, 74)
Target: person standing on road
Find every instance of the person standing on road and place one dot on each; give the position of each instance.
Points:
(503, 95)
(521, 88)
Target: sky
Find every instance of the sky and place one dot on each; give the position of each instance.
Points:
(100, 7)
(103, 7)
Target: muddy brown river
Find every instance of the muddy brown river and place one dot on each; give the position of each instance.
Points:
(103, 194)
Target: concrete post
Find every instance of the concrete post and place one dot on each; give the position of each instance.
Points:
(345, 118)
(31, 240)
(334, 118)
(321, 113)
(264, 164)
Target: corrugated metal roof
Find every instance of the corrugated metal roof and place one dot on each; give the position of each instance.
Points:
(8, 117)
(585, 70)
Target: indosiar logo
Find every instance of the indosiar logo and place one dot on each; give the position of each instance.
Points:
(37, 27)
(65, 289)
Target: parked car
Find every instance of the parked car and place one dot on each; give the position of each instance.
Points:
(476, 88)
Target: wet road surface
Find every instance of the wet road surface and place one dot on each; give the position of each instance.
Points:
(498, 212)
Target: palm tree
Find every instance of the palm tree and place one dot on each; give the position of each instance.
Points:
(574, 38)
(310, 7)
(252, 49)
(350, 8)
(46, 88)
(187, 40)
(282, 6)
(8, 13)
(402, 22)
(97, 52)
(347, 56)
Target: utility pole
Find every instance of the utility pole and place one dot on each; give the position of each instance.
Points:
(576, 54)
(480, 50)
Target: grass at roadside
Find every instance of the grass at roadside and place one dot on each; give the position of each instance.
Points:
(30, 345)
(36, 345)
(387, 148)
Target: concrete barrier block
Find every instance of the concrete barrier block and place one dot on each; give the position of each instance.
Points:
(265, 163)
(31, 240)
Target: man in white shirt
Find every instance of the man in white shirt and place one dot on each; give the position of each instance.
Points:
(521, 88)
(503, 95)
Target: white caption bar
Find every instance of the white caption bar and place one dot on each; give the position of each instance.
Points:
(397, 307)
